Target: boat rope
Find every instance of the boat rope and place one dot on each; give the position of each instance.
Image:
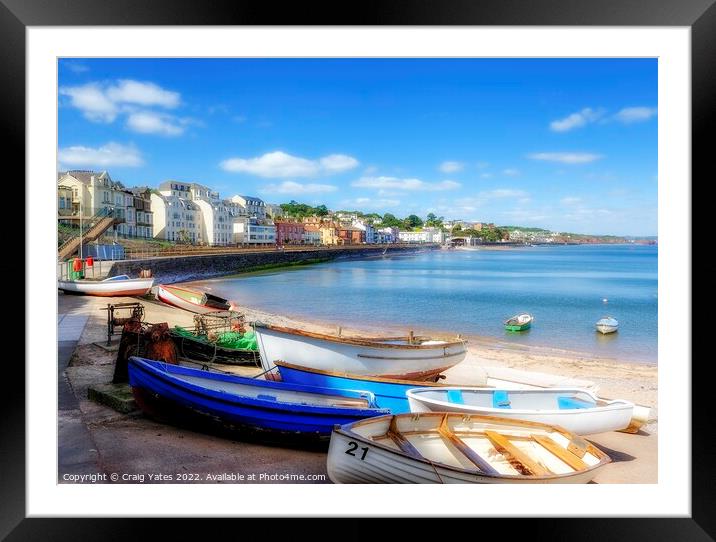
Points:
(436, 471)
(266, 371)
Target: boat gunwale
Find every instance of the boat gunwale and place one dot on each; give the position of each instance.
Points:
(108, 282)
(233, 399)
(351, 376)
(611, 405)
(372, 342)
(604, 459)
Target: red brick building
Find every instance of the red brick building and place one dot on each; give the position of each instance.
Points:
(349, 235)
(288, 233)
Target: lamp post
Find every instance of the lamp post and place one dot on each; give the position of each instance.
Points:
(82, 197)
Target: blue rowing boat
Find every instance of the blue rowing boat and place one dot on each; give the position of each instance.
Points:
(242, 403)
(389, 393)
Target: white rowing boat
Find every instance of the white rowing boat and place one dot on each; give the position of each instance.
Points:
(405, 358)
(456, 448)
(575, 410)
(120, 285)
(608, 324)
(191, 300)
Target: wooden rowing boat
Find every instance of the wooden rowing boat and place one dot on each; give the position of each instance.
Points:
(576, 410)
(457, 448)
(404, 358)
(120, 285)
(243, 403)
(191, 300)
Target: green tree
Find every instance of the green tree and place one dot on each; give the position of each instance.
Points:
(413, 221)
(321, 210)
(434, 221)
(390, 221)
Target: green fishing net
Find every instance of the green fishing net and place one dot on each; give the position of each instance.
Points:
(227, 339)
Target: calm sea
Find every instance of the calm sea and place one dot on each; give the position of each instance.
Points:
(473, 292)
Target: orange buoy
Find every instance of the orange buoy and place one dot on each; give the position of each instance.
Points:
(77, 265)
(89, 261)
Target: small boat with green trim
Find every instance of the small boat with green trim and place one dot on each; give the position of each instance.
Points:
(519, 322)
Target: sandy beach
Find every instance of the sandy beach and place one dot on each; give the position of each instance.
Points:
(634, 455)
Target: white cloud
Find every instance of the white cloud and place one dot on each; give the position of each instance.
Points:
(149, 122)
(486, 175)
(629, 115)
(576, 120)
(292, 187)
(511, 172)
(142, 93)
(565, 157)
(334, 163)
(395, 183)
(451, 166)
(92, 101)
(105, 102)
(111, 154)
(570, 200)
(280, 164)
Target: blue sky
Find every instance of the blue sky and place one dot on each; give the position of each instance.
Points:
(565, 144)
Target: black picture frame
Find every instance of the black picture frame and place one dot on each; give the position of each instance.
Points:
(699, 15)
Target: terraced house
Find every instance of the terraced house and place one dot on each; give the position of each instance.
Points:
(88, 193)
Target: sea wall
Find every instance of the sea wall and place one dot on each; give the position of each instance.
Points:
(184, 268)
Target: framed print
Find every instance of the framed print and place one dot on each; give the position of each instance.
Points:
(275, 221)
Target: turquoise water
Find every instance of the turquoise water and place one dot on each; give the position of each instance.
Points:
(473, 292)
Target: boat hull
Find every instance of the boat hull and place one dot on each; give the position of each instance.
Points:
(361, 359)
(178, 389)
(112, 288)
(165, 295)
(518, 327)
(356, 459)
(605, 329)
(603, 417)
(388, 393)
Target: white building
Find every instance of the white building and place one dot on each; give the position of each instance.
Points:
(386, 235)
(176, 219)
(253, 231)
(94, 192)
(426, 235)
(213, 224)
(349, 217)
(367, 227)
(253, 206)
(312, 237)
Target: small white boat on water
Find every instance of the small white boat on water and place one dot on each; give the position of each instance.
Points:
(191, 300)
(445, 448)
(120, 285)
(608, 324)
(578, 411)
(405, 358)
